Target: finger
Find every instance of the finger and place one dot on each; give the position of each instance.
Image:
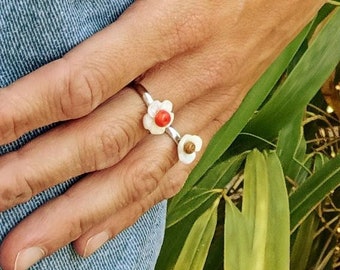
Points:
(109, 191)
(92, 72)
(90, 241)
(92, 143)
(56, 223)
(169, 185)
(104, 137)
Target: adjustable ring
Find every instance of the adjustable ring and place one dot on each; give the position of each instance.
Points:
(158, 120)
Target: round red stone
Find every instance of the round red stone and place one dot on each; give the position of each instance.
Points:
(162, 118)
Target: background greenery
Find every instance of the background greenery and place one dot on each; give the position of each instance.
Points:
(266, 193)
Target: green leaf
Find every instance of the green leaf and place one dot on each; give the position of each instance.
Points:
(302, 83)
(278, 234)
(303, 243)
(176, 235)
(305, 172)
(319, 161)
(216, 251)
(261, 232)
(313, 190)
(216, 178)
(196, 247)
(255, 198)
(194, 200)
(291, 146)
(237, 246)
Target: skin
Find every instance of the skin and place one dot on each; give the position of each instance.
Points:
(203, 56)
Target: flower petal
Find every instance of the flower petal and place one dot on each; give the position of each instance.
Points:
(172, 117)
(186, 158)
(166, 105)
(149, 124)
(181, 143)
(154, 107)
(156, 130)
(147, 121)
(197, 141)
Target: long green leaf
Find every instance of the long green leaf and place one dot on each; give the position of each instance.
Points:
(175, 237)
(196, 247)
(278, 234)
(256, 199)
(303, 243)
(237, 246)
(261, 231)
(291, 146)
(216, 251)
(195, 199)
(216, 178)
(313, 191)
(303, 82)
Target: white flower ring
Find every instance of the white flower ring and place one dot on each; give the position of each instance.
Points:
(159, 117)
(158, 120)
(187, 148)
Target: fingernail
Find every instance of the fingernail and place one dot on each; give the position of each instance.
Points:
(27, 257)
(95, 242)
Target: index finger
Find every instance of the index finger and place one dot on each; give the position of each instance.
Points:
(95, 70)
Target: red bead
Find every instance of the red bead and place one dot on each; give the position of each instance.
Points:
(162, 118)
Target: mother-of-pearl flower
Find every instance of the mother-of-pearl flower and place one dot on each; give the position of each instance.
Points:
(159, 117)
(187, 148)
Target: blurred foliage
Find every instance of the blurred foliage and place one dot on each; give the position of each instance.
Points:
(277, 207)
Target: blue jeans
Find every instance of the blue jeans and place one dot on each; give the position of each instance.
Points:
(33, 33)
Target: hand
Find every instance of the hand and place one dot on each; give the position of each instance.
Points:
(202, 56)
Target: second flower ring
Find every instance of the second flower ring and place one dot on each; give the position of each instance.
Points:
(158, 120)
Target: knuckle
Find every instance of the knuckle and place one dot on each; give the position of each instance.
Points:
(148, 174)
(145, 205)
(218, 122)
(113, 143)
(214, 75)
(186, 31)
(81, 90)
(219, 72)
(17, 191)
(185, 34)
(149, 179)
(110, 146)
(146, 180)
(173, 188)
(232, 67)
(174, 184)
(77, 224)
(10, 128)
(15, 115)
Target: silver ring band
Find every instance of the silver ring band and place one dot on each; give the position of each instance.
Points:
(173, 133)
(140, 89)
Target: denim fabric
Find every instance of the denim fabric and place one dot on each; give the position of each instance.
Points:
(33, 33)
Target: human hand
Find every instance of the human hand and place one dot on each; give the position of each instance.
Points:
(202, 56)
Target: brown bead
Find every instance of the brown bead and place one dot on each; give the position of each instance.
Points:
(189, 147)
